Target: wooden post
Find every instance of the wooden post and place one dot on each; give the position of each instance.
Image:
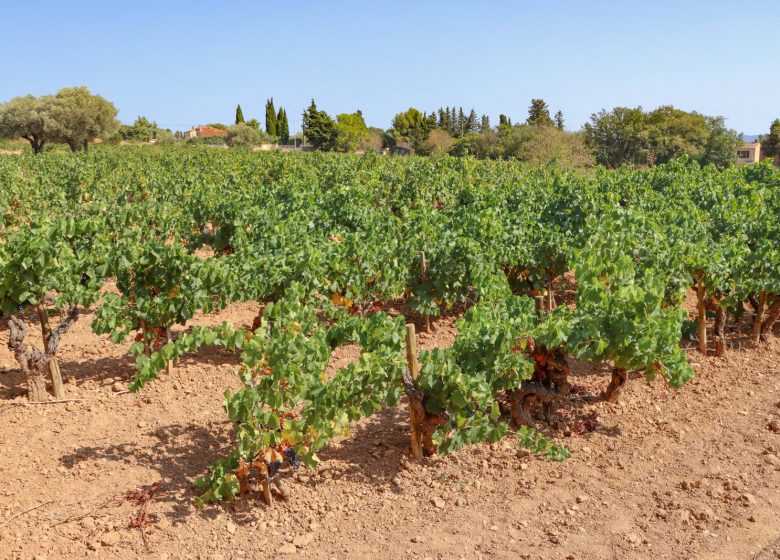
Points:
(757, 324)
(702, 309)
(54, 366)
(169, 364)
(423, 272)
(550, 297)
(539, 301)
(414, 368)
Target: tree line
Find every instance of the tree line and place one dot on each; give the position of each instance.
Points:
(620, 136)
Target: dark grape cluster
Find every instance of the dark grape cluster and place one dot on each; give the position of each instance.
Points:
(273, 467)
(293, 457)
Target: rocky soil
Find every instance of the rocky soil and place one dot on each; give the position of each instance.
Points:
(693, 473)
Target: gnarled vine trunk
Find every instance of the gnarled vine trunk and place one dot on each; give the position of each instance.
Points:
(32, 361)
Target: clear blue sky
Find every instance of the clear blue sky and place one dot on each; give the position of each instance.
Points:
(184, 63)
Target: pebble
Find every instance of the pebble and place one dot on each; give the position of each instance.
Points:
(418, 539)
(288, 548)
(231, 527)
(302, 540)
(774, 425)
(110, 539)
(438, 502)
(748, 499)
(118, 387)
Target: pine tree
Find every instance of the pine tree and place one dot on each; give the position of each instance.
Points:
(461, 124)
(559, 120)
(502, 120)
(239, 115)
(454, 121)
(485, 124)
(318, 128)
(270, 118)
(471, 122)
(539, 114)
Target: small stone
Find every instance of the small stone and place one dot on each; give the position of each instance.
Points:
(314, 526)
(633, 538)
(118, 387)
(774, 425)
(288, 548)
(438, 502)
(110, 539)
(494, 527)
(523, 466)
(582, 499)
(230, 527)
(706, 515)
(752, 518)
(302, 540)
(459, 501)
(418, 539)
(748, 499)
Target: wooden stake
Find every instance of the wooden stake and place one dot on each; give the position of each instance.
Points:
(423, 272)
(539, 300)
(700, 304)
(757, 324)
(550, 297)
(54, 366)
(169, 364)
(414, 368)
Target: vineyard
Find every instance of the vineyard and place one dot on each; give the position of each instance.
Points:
(538, 274)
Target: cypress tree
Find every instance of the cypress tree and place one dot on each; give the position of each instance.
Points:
(239, 115)
(282, 126)
(270, 118)
(471, 122)
(485, 124)
(559, 120)
(454, 121)
(461, 124)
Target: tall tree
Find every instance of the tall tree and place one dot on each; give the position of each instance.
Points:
(484, 124)
(559, 120)
(472, 125)
(30, 118)
(411, 127)
(502, 120)
(283, 126)
(619, 136)
(318, 128)
(539, 114)
(352, 131)
(239, 115)
(770, 143)
(270, 118)
(82, 117)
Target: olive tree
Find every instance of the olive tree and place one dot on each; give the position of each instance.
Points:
(29, 117)
(243, 136)
(81, 117)
(73, 116)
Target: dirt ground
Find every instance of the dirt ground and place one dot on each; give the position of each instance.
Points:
(688, 474)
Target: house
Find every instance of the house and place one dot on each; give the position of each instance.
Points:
(749, 153)
(204, 130)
